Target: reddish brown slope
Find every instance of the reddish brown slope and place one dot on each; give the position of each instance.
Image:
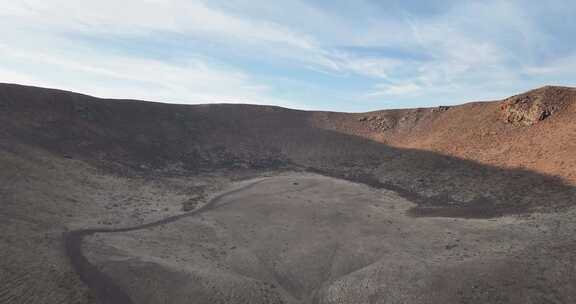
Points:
(535, 130)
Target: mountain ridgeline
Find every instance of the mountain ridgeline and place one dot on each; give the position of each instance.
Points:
(475, 160)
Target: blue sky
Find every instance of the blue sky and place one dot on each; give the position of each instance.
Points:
(340, 55)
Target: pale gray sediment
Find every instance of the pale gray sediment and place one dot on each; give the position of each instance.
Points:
(105, 289)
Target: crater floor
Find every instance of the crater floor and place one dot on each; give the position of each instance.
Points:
(303, 238)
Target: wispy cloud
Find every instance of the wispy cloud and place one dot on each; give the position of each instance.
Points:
(46, 58)
(470, 47)
(196, 20)
(198, 80)
(241, 50)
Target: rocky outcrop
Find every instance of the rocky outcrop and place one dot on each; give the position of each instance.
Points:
(531, 107)
(440, 109)
(525, 109)
(377, 123)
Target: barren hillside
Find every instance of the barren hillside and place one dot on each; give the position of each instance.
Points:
(534, 130)
(497, 176)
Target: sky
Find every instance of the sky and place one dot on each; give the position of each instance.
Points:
(337, 55)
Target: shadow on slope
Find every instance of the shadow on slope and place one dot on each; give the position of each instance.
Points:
(143, 138)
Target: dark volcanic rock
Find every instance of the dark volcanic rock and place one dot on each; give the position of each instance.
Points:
(441, 109)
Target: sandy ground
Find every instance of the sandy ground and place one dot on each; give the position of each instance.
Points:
(312, 239)
(69, 161)
(41, 197)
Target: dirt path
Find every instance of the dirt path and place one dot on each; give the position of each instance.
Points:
(104, 288)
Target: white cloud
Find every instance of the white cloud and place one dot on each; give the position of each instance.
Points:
(196, 81)
(404, 89)
(459, 52)
(559, 66)
(33, 52)
(470, 47)
(43, 51)
(194, 19)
